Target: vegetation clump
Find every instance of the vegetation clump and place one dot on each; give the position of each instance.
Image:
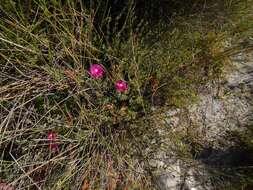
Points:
(83, 84)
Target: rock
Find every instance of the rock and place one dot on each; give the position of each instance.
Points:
(222, 107)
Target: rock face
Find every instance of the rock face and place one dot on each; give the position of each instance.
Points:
(222, 107)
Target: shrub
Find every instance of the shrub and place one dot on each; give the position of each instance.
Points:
(83, 87)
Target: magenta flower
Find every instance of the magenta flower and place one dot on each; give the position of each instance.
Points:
(51, 137)
(121, 85)
(96, 70)
(53, 146)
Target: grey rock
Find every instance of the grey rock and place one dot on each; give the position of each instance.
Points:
(222, 107)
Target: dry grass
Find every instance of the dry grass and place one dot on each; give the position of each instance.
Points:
(105, 138)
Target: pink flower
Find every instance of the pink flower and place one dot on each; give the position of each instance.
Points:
(121, 85)
(96, 70)
(51, 137)
(53, 146)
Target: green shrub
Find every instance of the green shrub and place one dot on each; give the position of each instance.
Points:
(104, 137)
